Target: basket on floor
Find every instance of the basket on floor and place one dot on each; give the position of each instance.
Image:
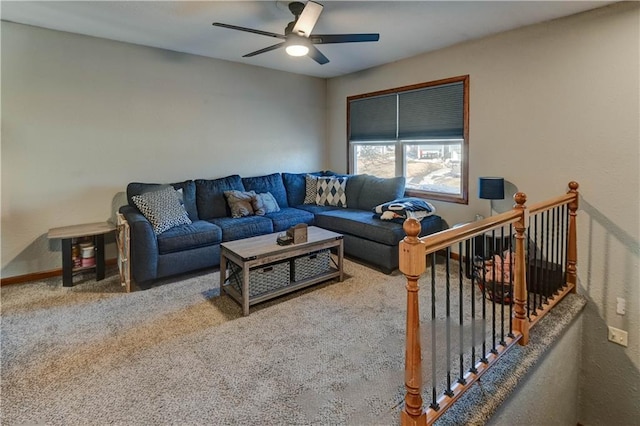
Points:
(493, 278)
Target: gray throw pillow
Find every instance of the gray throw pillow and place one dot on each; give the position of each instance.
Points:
(162, 208)
(311, 189)
(240, 202)
(265, 203)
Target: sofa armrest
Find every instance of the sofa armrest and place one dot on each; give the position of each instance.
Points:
(144, 245)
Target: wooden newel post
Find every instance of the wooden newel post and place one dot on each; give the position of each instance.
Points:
(412, 265)
(572, 242)
(520, 320)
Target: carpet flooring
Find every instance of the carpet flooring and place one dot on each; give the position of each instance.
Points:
(178, 353)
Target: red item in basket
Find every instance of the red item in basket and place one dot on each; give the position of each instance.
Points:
(88, 261)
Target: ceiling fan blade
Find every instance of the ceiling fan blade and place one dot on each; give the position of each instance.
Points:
(317, 56)
(248, 30)
(266, 49)
(343, 38)
(307, 19)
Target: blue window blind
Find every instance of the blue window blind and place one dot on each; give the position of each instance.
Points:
(373, 119)
(430, 112)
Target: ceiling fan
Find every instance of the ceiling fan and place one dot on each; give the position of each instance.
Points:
(298, 40)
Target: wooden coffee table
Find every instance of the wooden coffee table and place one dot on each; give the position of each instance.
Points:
(255, 252)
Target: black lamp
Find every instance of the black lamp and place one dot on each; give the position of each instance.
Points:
(491, 188)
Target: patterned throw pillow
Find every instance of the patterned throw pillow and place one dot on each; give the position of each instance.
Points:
(264, 203)
(331, 191)
(311, 189)
(240, 202)
(162, 209)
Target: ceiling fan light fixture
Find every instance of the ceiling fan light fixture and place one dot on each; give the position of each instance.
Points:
(296, 45)
(296, 49)
(298, 38)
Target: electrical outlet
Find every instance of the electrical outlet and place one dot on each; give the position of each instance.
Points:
(618, 336)
(621, 306)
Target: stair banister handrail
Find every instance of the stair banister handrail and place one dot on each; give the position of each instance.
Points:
(551, 203)
(448, 237)
(413, 251)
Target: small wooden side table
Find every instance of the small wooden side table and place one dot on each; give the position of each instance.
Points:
(67, 233)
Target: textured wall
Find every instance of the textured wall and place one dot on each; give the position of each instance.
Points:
(549, 394)
(82, 117)
(552, 103)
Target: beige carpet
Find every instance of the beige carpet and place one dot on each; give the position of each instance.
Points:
(179, 354)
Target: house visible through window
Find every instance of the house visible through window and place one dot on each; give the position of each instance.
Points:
(419, 131)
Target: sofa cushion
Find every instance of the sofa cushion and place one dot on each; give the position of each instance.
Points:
(188, 188)
(162, 208)
(210, 196)
(313, 208)
(264, 203)
(354, 186)
(376, 190)
(243, 227)
(289, 216)
(240, 203)
(185, 237)
(331, 191)
(270, 183)
(364, 225)
(295, 184)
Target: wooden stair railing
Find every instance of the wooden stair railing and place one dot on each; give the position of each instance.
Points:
(413, 254)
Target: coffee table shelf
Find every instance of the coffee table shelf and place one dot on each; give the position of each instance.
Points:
(252, 253)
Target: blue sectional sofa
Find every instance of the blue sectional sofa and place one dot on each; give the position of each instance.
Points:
(196, 245)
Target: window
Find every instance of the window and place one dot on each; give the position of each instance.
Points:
(420, 132)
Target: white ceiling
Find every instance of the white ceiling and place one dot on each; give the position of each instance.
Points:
(406, 28)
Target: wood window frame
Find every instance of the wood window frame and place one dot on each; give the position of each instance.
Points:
(463, 197)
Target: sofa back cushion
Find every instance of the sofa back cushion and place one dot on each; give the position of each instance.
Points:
(376, 190)
(188, 194)
(354, 187)
(270, 183)
(210, 198)
(295, 184)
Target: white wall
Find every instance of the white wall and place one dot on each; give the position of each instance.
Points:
(82, 117)
(548, 394)
(552, 103)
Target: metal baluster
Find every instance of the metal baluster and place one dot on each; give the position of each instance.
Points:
(565, 223)
(448, 391)
(502, 283)
(483, 356)
(434, 401)
(461, 379)
(472, 248)
(528, 263)
(512, 269)
(493, 299)
(545, 274)
(540, 270)
(553, 251)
